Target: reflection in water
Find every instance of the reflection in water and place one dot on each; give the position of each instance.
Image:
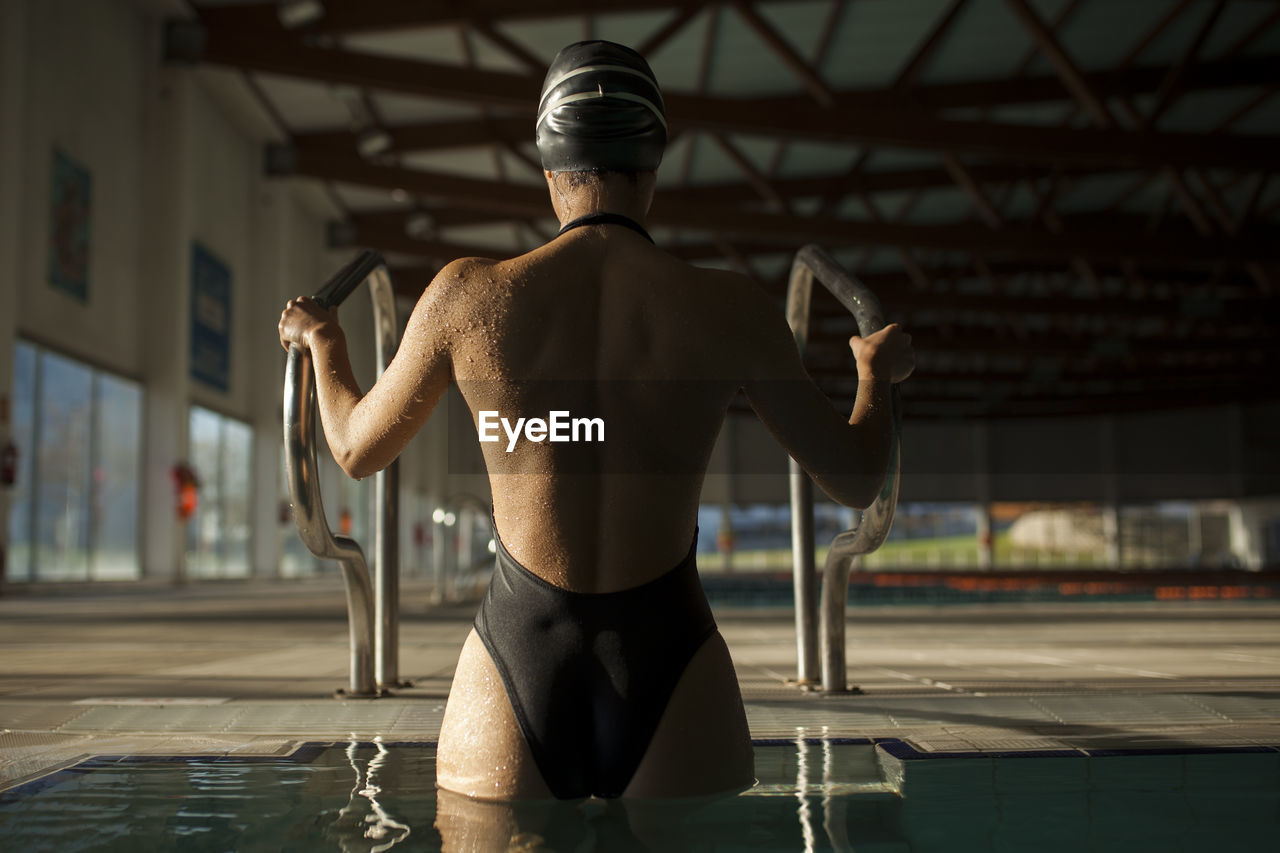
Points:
(802, 792)
(363, 818)
(625, 826)
(815, 794)
(815, 774)
(833, 787)
(834, 806)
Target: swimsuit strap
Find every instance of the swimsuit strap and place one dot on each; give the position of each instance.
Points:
(606, 219)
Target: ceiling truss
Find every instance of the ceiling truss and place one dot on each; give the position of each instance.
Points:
(1026, 304)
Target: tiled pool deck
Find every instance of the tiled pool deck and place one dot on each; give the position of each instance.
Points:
(250, 668)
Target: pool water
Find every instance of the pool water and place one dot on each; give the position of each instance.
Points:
(812, 795)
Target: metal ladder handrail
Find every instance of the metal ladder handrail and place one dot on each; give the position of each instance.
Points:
(374, 643)
(813, 262)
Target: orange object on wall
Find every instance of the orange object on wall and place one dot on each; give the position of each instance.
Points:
(186, 486)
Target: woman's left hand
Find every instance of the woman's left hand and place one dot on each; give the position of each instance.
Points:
(302, 319)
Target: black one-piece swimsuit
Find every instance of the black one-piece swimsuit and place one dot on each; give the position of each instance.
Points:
(589, 675)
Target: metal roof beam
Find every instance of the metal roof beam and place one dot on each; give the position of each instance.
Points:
(868, 118)
(1070, 75)
(1100, 242)
(781, 48)
(353, 16)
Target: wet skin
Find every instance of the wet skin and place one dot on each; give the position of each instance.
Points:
(601, 323)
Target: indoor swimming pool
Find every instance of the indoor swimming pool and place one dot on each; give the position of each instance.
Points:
(812, 794)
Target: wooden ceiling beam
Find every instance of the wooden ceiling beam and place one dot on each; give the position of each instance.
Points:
(508, 45)
(853, 118)
(833, 351)
(1096, 243)
(919, 408)
(965, 180)
(1170, 86)
(668, 30)
(355, 16)
(919, 60)
(1066, 69)
(1250, 371)
(511, 131)
(755, 179)
(808, 77)
(250, 48)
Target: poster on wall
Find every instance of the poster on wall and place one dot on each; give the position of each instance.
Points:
(210, 319)
(70, 197)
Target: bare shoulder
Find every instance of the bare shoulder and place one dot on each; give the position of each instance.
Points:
(456, 285)
(458, 278)
(448, 300)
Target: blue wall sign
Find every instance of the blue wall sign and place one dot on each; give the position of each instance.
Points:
(210, 319)
(70, 197)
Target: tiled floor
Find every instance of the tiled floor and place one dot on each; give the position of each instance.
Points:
(252, 668)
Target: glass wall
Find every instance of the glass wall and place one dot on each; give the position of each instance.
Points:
(74, 514)
(63, 501)
(1024, 535)
(930, 535)
(1176, 534)
(117, 427)
(295, 559)
(1048, 535)
(757, 537)
(348, 508)
(221, 452)
(22, 504)
(924, 535)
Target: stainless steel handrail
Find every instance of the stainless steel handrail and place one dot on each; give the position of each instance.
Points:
(373, 644)
(386, 511)
(812, 262)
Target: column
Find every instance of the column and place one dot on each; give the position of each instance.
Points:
(271, 276)
(1247, 525)
(13, 62)
(1195, 544)
(982, 488)
(165, 309)
(1111, 494)
(728, 540)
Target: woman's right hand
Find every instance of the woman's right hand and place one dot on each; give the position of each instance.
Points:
(887, 354)
(302, 319)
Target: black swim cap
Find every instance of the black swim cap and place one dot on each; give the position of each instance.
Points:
(600, 109)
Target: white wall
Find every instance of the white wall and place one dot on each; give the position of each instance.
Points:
(169, 165)
(84, 95)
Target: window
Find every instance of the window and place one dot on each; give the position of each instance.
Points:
(117, 426)
(63, 501)
(759, 535)
(74, 514)
(295, 559)
(929, 535)
(22, 507)
(221, 451)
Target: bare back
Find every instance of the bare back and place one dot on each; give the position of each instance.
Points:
(600, 324)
